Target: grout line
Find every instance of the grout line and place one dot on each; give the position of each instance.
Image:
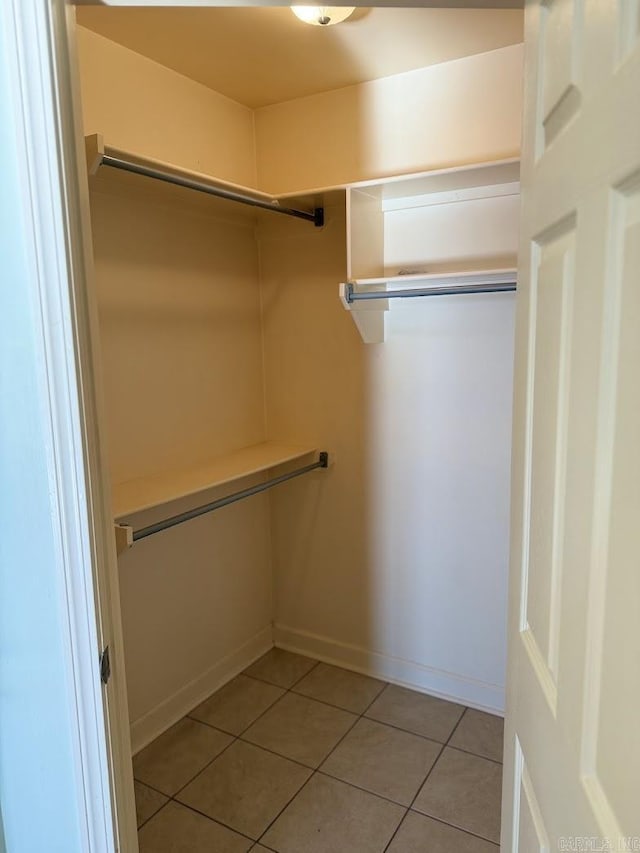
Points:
(350, 729)
(308, 672)
(327, 704)
(278, 754)
(475, 754)
(458, 828)
(430, 771)
(455, 728)
(208, 764)
(317, 770)
(237, 738)
(453, 826)
(314, 698)
(332, 705)
(272, 683)
(464, 713)
(424, 781)
(432, 768)
(261, 715)
(321, 772)
(263, 681)
(157, 812)
(213, 819)
(358, 717)
(246, 728)
(286, 806)
(395, 832)
(406, 731)
(211, 726)
(157, 790)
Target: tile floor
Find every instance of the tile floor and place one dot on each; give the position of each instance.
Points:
(296, 756)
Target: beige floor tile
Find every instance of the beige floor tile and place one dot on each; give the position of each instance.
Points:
(281, 668)
(480, 733)
(383, 760)
(420, 834)
(301, 729)
(260, 849)
(148, 802)
(416, 712)
(348, 690)
(179, 830)
(178, 755)
(245, 788)
(236, 705)
(465, 791)
(328, 816)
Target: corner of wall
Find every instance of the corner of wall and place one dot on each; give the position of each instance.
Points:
(385, 127)
(142, 106)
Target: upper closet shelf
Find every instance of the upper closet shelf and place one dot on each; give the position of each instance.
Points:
(451, 231)
(147, 492)
(412, 281)
(99, 154)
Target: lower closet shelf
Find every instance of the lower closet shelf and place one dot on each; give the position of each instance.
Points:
(155, 491)
(146, 492)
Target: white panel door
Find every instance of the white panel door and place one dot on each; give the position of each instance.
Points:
(572, 762)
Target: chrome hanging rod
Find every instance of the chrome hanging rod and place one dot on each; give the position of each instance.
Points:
(317, 217)
(323, 462)
(451, 290)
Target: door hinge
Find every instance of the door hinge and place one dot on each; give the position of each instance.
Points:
(105, 666)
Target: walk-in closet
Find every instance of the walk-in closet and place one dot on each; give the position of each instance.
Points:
(305, 245)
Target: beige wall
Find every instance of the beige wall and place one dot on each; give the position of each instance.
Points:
(315, 375)
(198, 320)
(179, 309)
(393, 561)
(457, 112)
(139, 105)
(396, 125)
(180, 322)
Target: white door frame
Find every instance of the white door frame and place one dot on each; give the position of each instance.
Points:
(51, 168)
(46, 107)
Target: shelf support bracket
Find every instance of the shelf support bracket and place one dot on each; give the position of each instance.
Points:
(124, 537)
(368, 316)
(94, 151)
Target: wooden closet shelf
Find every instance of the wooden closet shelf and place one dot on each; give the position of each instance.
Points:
(146, 492)
(434, 277)
(451, 231)
(98, 153)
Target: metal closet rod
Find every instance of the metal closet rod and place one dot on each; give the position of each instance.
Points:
(450, 290)
(323, 462)
(317, 217)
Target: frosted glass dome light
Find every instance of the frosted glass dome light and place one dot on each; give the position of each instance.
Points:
(322, 16)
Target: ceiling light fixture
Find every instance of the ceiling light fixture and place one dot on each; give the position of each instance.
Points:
(322, 16)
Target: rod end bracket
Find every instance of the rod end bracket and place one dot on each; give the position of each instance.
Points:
(318, 217)
(124, 537)
(94, 153)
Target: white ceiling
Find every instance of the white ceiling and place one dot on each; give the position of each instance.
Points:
(264, 55)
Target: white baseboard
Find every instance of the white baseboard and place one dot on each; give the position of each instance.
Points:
(445, 685)
(159, 719)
